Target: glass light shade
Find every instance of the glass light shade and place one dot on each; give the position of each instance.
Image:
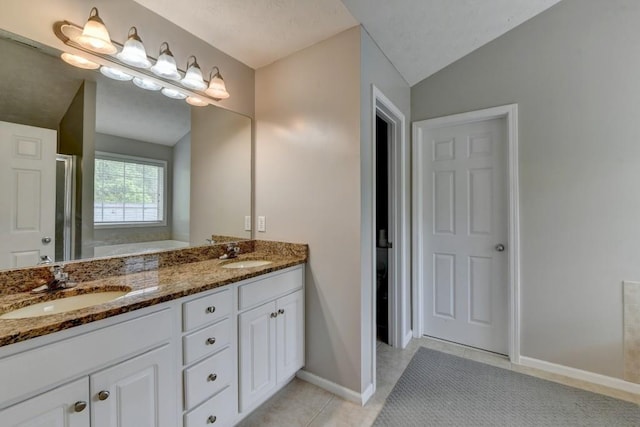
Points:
(133, 52)
(95, 36)
(172, 93)
(115, 74)
(146, 84)
(217, 88)
(166, 65)
(196, 101)
(79, 61)
(193, 77)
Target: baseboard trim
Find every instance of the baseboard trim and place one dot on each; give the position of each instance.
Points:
(407, 338)
(579, 374)
(334, 388)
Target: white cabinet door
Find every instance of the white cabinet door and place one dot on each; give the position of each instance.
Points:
(290, 338)
(257, 354)
(65, 406)
(139, 392)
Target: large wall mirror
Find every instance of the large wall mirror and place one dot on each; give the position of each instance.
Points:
(94, 167)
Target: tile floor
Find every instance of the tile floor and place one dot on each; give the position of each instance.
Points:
(303, 404)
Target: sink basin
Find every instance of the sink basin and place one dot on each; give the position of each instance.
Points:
(246, 264)
(63, 305)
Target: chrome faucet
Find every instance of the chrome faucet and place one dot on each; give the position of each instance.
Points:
(60, 280)
(232, 251)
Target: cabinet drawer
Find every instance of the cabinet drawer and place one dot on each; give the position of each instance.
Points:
(202, 311)
(270, 288)
(207, 378)
(206, 341)
(217, 411)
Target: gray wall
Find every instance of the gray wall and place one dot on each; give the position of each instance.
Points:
(76, 136)
(131, 147)
(574, 71)
(307, 184)
(220, 174)
(181, 189)
(376, 70)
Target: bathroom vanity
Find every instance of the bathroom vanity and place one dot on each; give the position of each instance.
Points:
(192, 344)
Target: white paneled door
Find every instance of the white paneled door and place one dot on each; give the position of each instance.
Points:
(28, 194)
(462, 197)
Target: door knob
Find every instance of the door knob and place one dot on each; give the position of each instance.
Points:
(500, 247)
(79, 406)
(103, 395)
(46, 240)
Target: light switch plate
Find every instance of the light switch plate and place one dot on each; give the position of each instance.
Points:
(262, 224)
(247, 223)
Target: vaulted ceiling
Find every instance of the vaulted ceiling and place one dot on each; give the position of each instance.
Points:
(420, 37)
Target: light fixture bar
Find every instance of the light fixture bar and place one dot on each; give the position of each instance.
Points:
(68, 33)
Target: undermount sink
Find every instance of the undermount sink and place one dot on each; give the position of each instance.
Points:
(246, 264)
(63, 305)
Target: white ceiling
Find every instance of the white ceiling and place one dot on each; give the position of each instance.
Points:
(257, 32)
(420, 37)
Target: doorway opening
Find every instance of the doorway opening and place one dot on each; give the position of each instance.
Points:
(64, 206)
(383, 217)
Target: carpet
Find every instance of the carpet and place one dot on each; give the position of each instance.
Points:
(438, 389)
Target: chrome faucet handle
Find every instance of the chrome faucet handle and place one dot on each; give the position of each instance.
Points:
(45, 260)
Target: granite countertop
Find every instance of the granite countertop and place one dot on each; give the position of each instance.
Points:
(145, 288)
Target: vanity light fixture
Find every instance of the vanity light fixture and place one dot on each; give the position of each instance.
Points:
(79, 61)
(133, 51)
(92, 48)
(196, 101)
(146, 84)
(166, 64)
(173, 93)
(217, 88)
(193, 77)
(115, 74)
(95, 36)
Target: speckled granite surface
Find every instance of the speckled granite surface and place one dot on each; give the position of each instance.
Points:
(151, 278)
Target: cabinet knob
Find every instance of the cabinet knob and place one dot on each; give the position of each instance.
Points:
(212, 419)
(211, 309)
(281, 311)
(212, 377)
(79, 406)
(274, 314)
(211, 341)
(103, 395)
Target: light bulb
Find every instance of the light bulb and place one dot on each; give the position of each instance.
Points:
(217, 88)
(79, 61)
(166, 65)
(95, 36)
(172, 93)
(115, 74)
(196, 101)
(133, 52)
(146, 84)
(193, 77)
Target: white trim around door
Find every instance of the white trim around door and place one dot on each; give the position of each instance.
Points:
(510, 114)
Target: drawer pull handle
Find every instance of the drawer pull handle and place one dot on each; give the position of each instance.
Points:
(212, 377)
(103, 395)
(274, 315)
(79, 406)
(211, 309)
(281, 311)
(211, 341)
(212, 419)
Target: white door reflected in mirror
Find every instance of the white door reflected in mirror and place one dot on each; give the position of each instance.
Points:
(28, 192)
